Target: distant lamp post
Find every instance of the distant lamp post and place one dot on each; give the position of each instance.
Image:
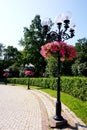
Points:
(57, 45)
(29, 72)
(6, 75)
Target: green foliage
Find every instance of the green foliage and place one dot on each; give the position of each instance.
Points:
(1, 60)
(10, 53)
(33, 39)
(66, 68)
(75, 68)
(76, 86)
(51, 68)
(79, 68)
(82, 69)
(11, 56)
(80, 65)
(14, 70)
(81, 46)
(77, 106)
(1, 49)
(23, 81)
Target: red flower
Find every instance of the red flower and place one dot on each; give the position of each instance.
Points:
(29, 73)
(66, 52)
(6, 74)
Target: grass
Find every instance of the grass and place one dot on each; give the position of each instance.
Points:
(77, 106)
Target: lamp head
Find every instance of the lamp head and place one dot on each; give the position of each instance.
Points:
(72, 30)
(45, 24)
(59, 19)
(67, 17)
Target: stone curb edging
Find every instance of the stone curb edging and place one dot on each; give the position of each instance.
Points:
(73, 120)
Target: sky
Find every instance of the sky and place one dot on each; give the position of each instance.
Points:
(17, 14)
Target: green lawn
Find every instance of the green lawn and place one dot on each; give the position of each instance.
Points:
(77, 106)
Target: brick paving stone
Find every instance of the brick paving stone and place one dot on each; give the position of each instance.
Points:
(19, 109)
(22, 109)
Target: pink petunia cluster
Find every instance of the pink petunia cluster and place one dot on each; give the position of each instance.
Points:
(29, 73)
(66, 52)
(6, 74)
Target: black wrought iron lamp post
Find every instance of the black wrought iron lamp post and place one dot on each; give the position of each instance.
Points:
(29, 67)
(61, 35)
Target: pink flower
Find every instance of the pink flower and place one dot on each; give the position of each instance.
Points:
(29, 73)
(66, 52)
(6, 74)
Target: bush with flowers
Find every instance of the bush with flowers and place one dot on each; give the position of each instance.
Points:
(65, 51)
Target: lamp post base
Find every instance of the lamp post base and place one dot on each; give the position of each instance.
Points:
(28, 87)
(57, 123)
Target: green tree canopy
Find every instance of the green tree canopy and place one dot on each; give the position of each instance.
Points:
(10, 56)
(1, 59)
(34, 38)
(81, 47)
(1, 49)
(80, 66)
(10, 53)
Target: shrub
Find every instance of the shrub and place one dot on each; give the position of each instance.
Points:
(75, 86)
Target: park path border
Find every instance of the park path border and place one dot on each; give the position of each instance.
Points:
(45, 123)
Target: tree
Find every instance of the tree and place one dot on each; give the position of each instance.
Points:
(80, 65)
(33, 39)
(51, 68)
(14, 70)
(11, 55)
(1, 49)
(81, 47)
(1, 60)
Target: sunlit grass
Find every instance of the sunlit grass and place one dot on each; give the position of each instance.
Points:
(77, 106)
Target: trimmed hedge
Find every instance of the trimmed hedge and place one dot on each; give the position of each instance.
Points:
(75, 86)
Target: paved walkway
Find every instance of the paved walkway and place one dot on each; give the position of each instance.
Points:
(22, 109)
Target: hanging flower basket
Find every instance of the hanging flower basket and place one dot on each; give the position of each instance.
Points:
(29, 73)
(6, 74)
(65, 51)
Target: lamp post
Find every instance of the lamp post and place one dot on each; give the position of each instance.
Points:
(29, 72)
(64, 32)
